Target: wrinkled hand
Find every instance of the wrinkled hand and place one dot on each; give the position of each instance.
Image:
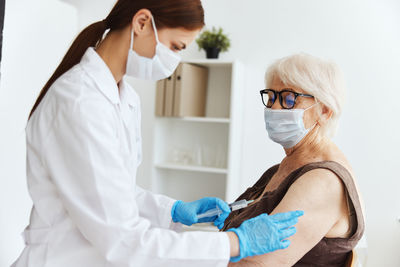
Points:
(186, 212)
(265, 233)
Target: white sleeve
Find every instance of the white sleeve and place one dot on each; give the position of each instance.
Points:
(156, 208)
(83, 158)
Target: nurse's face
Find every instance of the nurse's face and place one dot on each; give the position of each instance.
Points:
(176, 39)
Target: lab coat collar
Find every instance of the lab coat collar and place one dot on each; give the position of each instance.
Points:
(127, 94)
(98, 70)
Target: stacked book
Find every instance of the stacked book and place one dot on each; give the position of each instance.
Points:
(184, 93)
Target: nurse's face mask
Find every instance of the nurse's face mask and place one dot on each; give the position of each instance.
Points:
(161, 66)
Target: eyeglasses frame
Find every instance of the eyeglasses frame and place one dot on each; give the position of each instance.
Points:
(265, 91)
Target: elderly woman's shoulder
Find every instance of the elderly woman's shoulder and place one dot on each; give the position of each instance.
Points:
(320, 182)
(324, 182)
(338, 160)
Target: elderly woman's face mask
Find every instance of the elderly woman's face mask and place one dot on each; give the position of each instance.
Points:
(286, 126)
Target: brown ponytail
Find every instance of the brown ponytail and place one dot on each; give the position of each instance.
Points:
(187, 14)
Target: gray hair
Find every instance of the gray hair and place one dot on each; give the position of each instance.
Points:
(322, 79)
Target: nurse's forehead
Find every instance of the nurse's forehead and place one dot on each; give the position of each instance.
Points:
(179, 34)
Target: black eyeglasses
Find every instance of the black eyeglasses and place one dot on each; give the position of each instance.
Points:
(287, 98)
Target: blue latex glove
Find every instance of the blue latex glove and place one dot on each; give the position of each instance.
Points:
(186, 212)
(265, 233)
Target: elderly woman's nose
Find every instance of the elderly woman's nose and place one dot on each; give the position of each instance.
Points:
(276, 105)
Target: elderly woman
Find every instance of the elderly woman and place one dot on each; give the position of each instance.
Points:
(303, 103)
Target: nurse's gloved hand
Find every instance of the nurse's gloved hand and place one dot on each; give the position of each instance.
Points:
(265, 233)
(186, 212)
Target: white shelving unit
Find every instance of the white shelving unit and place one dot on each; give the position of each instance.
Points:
(196, 157)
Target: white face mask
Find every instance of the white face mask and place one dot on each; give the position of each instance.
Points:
(286, 126)
(161, 66)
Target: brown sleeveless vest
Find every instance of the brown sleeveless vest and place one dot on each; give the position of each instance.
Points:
(329, 251)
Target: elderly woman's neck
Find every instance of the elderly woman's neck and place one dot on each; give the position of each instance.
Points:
(308, 148)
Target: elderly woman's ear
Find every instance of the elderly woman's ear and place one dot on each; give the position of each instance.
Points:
(325, 115)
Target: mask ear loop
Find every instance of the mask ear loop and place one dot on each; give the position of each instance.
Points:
(316, 123)
(154, 28)
(132, 36)
(316, 103)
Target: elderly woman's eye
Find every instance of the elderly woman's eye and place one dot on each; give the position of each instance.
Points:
(289, 99)
(269, 99)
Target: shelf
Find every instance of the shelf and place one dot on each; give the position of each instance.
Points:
(199, 119)
(211, 62)
(171, 166)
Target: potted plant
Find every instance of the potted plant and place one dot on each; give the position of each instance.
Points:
(213, 42)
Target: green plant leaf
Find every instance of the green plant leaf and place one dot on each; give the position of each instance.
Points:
(214, 38)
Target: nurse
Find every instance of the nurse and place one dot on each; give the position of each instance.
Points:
(84, 146)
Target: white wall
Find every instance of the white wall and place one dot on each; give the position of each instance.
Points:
(36, 36)
(363, 37)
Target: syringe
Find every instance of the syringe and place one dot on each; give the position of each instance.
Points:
(234, 206)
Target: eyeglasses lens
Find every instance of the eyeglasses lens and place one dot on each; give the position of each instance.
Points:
(288, 99)
(268, 99)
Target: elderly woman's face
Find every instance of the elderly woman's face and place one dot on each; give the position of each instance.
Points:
(311, 115)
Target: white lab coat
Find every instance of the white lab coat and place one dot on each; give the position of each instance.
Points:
(83, 150)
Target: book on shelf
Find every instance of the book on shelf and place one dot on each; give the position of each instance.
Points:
(160, 98)
(169, 96)
(190, 91)
(184, 93)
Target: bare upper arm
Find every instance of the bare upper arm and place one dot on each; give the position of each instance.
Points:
(320, 194)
